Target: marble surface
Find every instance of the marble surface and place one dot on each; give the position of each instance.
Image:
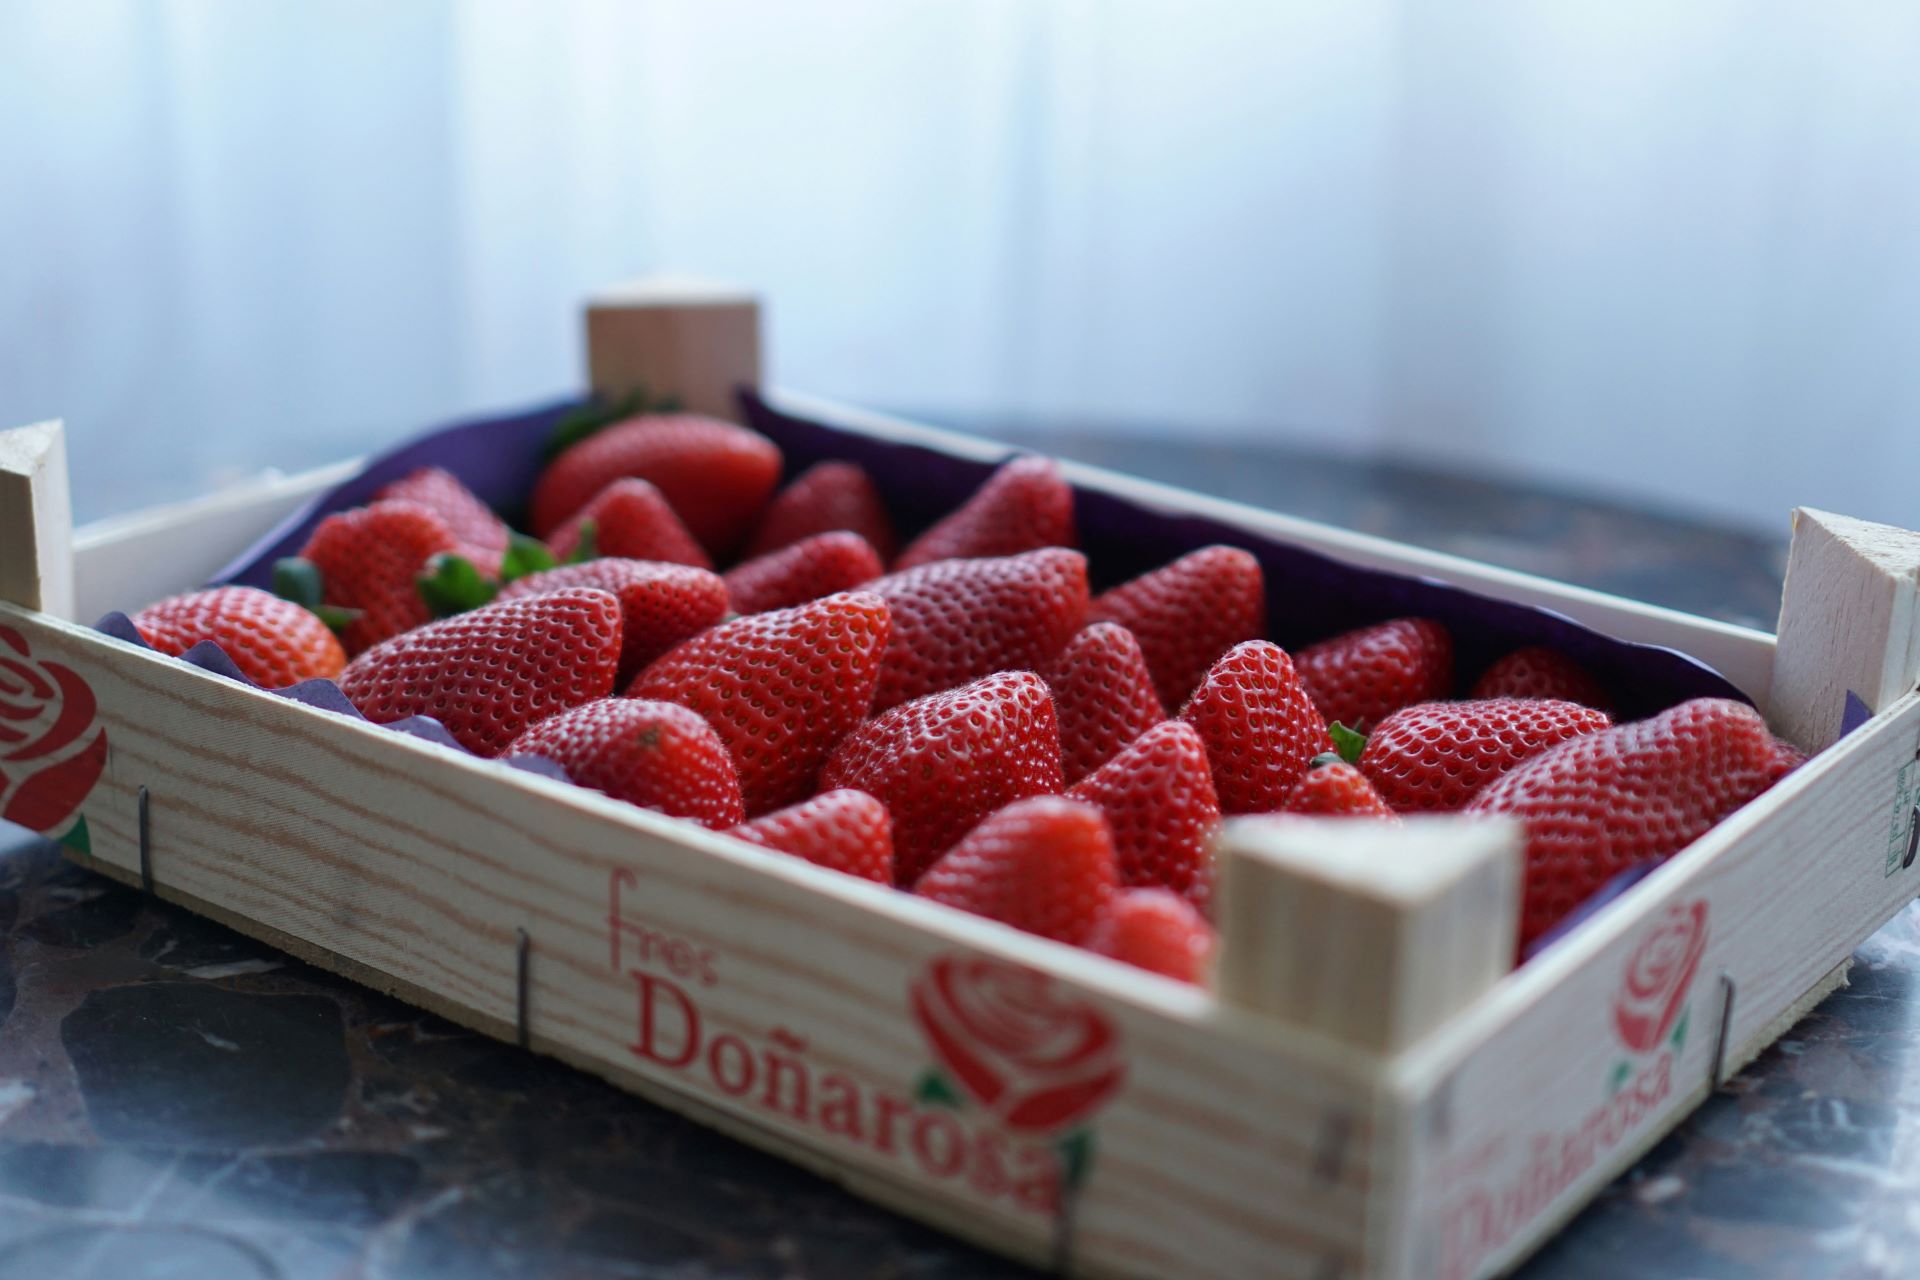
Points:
(178, 1101)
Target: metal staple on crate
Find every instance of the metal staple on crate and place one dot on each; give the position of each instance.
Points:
(1719, 1063)
(146, 848)
(521, 954)
(1061, 1263)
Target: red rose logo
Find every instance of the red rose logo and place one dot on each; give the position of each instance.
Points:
(51, 752)
(1036, 1061)
(1658, 975)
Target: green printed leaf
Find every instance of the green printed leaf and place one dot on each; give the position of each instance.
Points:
(1617, 1079)
(1347, 742)
(1076, 1157)
(77, 836)
(525, 556)
(452, 585)
(934, 1087)
(1679, 1036)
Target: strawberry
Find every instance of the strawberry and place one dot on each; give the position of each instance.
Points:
(826, 497)
(806, 570)
(943, 762)
(1603, 802)
(490, 674)
(630, 519)
(1023, 506)
(1155, 930)
(1158, 799)
(1436, 756)
(844, 830)
(714, 475)
(274, 642)
(1044, 865)
(368, 559)
(1786, 758)
(660, 604)
(1332, 788)
(1102, 695)
(780, 688)
(1259, 726)
(1360, 678)
(1187, 613)
(1540, 672)
(653, 754)
(958, 620)
(441, 492)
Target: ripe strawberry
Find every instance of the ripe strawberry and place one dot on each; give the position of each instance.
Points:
(633, 521)
(780, 688)
(1540, 672)
(808, 569)
(827, 496)
(1187, 613)
(490, 674)
(274, 642)
(958, 620)
(1155, 930)
(1259, 726)
(1044, 865)
(716, 476)
(1360, 678)
(1332, 788)
(368, 559)
(653, 754)
(1603, 802)
(1786, 758)
(844, 830)
(1023, 506)
(1102, 695)
(1438, 755)
(441, 492)
(1158, 799)
(660, 604)
(943, 762)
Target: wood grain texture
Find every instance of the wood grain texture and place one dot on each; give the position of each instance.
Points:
(1369, 932)
(1849, 623)
(687, 338)
(36, 519)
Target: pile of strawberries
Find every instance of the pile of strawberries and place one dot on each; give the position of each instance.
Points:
(960, 717)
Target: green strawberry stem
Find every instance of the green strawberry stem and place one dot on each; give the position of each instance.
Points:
(1348, 743)
(300, 582)
(452, 585)
(524, 556)
(588, 547)
(597, 415)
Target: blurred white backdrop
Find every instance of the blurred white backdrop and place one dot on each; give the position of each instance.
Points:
(1656, 249)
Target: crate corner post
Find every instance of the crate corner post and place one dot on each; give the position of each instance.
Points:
(36, 519)
(675, 336)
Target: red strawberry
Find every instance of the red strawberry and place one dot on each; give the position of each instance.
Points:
(490, 674)
(845, 830)
(1187, 613)
(660, 604)
(1332, 788)
(274, 642)
(1023, 506)
(1260, 728)
(368, 559)
(716, 476)
(1540, 672)
(1156, 930)
(826, 497)
(441, 492)
(1102, 695)
(958, 620)
(942, 763)
(1044, 865)
(1786, 758)
(1603, 802)
(1437, 756)
(1158, 799)
(633, 521)
(1360, 678)
(811, 568)
(780, 688)
(653, 754)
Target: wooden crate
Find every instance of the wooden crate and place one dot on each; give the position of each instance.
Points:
(1367, 1091)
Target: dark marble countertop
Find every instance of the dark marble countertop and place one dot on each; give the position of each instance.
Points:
(176, 1100)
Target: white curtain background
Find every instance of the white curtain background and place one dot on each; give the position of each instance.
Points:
(1666, 250)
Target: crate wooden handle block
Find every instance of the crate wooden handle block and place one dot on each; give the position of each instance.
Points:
(675, 336)
(36, 520)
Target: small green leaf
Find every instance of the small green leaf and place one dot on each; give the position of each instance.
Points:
(934, 1087)
(1076, 1157)
(524, 556)
(452, 585)
(594, 416)
(1679, 1036)
(1348, 743)
(298, 580)
(337, 618)
(588, 548)
(77, 836)
(1618, 1077)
